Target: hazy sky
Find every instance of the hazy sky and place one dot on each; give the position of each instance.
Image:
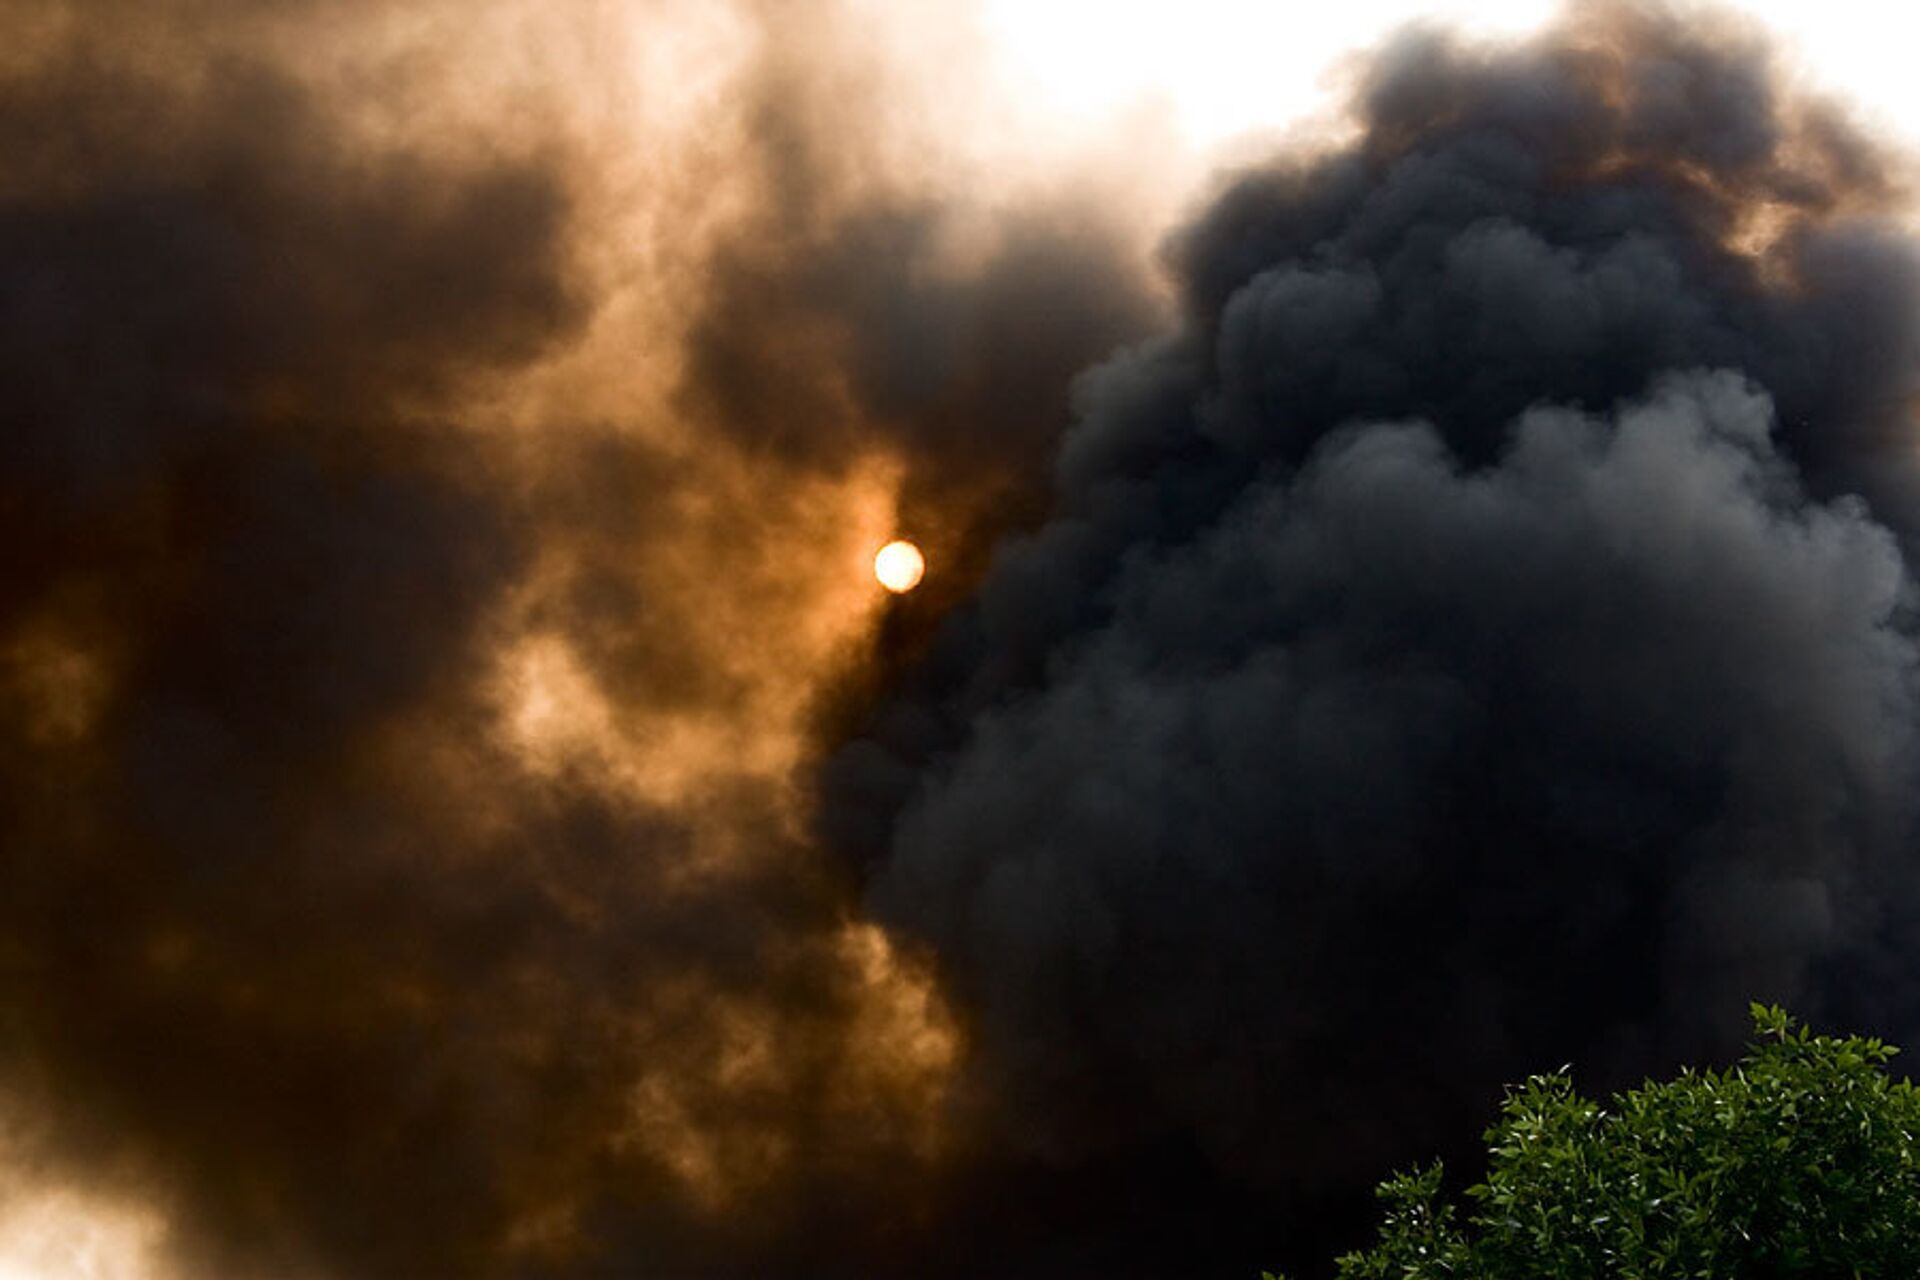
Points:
(1224, 67)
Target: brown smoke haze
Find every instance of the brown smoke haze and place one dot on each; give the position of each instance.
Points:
(467, 810)
(442, 455)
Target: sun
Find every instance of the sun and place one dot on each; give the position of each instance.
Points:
(899, 566)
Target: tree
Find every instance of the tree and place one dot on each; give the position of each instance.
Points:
(1801, 1160)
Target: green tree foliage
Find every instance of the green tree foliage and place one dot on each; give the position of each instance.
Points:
(1799, 1161)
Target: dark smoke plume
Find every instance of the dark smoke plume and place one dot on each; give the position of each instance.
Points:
(437, 468)
(1478, 638)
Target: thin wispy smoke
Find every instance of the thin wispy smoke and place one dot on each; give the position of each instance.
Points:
(465, 808)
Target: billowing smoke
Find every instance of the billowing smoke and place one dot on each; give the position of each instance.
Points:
(465, 809)
(1477, 638)
(436, 480)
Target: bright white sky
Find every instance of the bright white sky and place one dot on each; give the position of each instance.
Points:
(1226, 67)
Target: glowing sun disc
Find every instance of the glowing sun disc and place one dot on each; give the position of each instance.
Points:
(899, 566)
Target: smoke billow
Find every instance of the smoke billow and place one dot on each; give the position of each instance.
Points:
(1477, 638)
(410, 625)
(465, 809)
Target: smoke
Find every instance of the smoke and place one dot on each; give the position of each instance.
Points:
(438, 479)
(465, 808)
(1476, 638)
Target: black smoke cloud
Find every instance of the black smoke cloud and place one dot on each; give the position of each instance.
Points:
(1456, 647)
(1478, 638)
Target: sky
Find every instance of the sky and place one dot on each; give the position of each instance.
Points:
(1224, 68)
(1419, 528)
